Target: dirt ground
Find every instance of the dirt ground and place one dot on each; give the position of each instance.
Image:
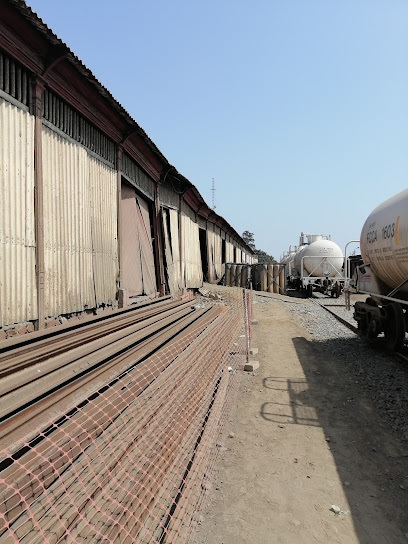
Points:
(304, 439)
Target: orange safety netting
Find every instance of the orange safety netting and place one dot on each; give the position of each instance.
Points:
(131, 460)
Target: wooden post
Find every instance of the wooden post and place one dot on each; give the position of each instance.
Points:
(37, 91)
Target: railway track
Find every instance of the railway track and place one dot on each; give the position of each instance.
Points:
(320, 301)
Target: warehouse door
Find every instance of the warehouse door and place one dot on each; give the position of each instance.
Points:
(138, 272)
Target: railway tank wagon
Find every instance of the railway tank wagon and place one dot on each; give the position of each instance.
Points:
(384, 273)
(317, 265)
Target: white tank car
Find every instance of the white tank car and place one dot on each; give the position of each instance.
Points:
(318, 265)
(384, 246)
(384, 274)
(322, 259)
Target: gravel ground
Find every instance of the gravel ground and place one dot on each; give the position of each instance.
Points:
(379, 374)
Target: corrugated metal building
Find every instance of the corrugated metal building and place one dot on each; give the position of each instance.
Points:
(91, 212)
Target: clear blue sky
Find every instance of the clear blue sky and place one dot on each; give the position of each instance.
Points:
(297, 108)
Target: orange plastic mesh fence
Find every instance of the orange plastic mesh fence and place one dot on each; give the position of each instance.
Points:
(131, 460)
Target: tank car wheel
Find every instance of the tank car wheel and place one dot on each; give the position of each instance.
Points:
(309, 290)
(367, 329)
(395, 327)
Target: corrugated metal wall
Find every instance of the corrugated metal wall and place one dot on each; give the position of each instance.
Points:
(171, 247)
(135, 175)
(18, 294)
(229, 251)
(191, 257)
(68, 285)
(168, 197)
(80, 230)
(104, 229)
(214, 251)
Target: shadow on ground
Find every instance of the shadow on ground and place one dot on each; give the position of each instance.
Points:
(370, 457)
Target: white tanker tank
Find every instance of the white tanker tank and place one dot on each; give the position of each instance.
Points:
(322, 258)
(318, 265)
(384, 245)
(384, 274)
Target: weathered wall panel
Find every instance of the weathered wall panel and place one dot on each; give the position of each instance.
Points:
(168, 197)
(18, 295)
(80, 227)
(69, 284)
(202, 223)
(192, 267)
(214, 253)
(229, 252)
(104, 230)
(171, 247)
(135, 175)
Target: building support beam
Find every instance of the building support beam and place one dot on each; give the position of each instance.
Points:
(119, 153)
(37, 92)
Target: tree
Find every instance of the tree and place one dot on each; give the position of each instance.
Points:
(249, 239)
(263, 257)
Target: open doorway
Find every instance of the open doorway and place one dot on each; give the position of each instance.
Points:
(203, 251)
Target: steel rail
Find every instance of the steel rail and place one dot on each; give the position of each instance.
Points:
(36, 336)
(16, 425)
(18, 475)
(160, 460)
(22, 387)
(24, 356)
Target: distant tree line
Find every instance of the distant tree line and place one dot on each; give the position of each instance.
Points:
(263, 257)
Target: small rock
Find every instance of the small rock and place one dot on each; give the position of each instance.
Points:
(328, 439)
(346, 483)
(230, 369)
(281, 426)
(334, 508)
(402, 486)
(231, 434)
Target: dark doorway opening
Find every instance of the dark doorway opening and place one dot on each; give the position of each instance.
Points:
(203, 251)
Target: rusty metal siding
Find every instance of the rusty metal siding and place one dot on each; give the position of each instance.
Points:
(14, 79)
(168, 197)
(171, 247)
(214, 250)
(60, 115)
(135, 175)
(229, 251)
(202, 223)
(80, 227)
(191, 257)
(18, 295)
(104, 230)
(68, 283)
